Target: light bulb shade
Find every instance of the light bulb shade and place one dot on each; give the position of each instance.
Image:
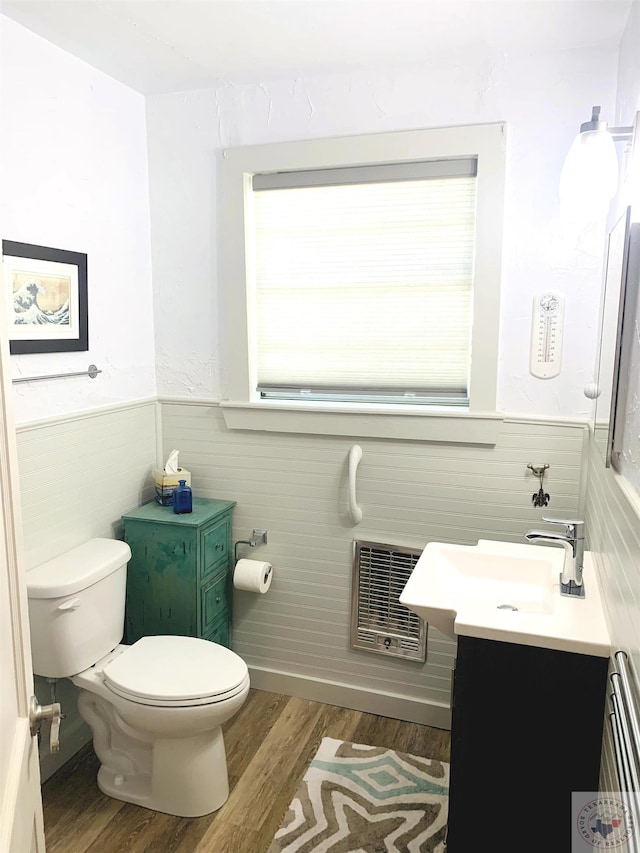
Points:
(589, 178)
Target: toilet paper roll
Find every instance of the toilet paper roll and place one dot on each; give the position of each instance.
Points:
(253, 575)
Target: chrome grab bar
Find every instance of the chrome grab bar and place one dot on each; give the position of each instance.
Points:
(628, 697)
(625, 730)
(627, 772)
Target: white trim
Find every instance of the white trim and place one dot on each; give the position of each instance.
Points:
(191, 401)
(547, 421)
(21, 801)
(584, 473)
(70, 417)
(400, 422)
(402, 411)
(159, 434)
(13, 791)
(555, 421)
(358, 698)
(236, 168)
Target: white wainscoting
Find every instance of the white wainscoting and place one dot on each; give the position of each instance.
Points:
(296, 638)
(612, 516)
(78, 475)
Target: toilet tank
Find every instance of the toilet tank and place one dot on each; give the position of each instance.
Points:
(76, 607)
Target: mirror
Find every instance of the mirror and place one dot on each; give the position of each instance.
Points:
(619, 364)
(610, 309)
(624, 423)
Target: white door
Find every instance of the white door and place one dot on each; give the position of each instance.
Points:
(21, 825)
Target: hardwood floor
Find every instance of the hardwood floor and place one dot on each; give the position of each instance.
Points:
(269, 744)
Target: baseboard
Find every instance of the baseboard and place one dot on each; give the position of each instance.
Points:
(73, 736)
(359, 699)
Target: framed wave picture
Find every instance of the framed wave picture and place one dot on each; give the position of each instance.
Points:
(47, 298)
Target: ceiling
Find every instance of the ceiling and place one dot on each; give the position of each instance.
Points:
(159, 46)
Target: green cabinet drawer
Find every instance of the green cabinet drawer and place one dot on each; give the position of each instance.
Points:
(215, 547)
(179, 575)
(160, 587)
(213, 602)
(220, 632)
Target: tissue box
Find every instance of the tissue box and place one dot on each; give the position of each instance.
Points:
(166, 483)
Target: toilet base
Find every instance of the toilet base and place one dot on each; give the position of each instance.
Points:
(185, 776)
(188, 777)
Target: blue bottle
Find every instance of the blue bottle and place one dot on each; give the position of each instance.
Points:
(182, 498)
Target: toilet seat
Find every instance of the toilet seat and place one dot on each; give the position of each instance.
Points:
(176, 672)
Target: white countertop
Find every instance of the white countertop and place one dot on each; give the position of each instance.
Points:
(573, 625)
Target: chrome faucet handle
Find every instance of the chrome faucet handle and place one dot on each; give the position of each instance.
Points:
(573, 525)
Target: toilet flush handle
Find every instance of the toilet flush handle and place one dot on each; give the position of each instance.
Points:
(70, 605)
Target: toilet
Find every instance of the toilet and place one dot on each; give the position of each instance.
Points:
(155, 708)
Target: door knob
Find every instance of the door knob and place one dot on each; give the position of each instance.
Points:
(46, 713)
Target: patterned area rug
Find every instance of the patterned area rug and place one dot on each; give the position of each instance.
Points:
(365, 799)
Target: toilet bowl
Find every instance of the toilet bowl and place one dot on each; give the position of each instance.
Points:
(155, 708)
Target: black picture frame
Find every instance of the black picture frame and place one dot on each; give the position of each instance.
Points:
(64, 328)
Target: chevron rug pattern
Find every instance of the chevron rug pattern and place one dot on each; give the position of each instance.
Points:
(366, 799)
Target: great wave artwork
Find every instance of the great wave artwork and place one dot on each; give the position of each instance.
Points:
(46, 292)
(38, 303)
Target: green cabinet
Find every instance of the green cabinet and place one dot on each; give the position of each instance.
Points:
(179, 578)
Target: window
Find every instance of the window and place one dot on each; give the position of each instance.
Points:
(362, 274)
(364, 283)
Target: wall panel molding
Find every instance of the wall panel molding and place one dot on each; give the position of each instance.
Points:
(43, 423)
(295, 485)
(78, 475)
(612, 528)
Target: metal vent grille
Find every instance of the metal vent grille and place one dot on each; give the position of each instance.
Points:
(379, 623)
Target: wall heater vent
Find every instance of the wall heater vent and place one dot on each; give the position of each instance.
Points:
(379, 623)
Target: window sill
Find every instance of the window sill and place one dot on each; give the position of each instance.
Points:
(408, 423)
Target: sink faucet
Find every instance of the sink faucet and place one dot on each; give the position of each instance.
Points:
(573, 541)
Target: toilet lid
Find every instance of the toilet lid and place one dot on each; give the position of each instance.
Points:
(175, 669)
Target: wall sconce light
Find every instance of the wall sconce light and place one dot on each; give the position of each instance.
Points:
(589, 178)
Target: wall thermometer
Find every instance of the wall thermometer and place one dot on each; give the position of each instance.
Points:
(546, 334)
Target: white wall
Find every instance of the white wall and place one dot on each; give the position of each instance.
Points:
(628, 95)
(628, 103)
(296, 638)
(613, 501)
(544, 98)
(73, 171)
(411, 493)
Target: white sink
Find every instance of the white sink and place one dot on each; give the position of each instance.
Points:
(490, 575)
(508, 592)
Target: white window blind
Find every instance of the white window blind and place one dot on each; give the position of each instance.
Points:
(364, 282)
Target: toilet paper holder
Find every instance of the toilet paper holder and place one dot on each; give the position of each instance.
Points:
(258, 537)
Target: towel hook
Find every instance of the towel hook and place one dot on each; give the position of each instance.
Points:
(540, 498)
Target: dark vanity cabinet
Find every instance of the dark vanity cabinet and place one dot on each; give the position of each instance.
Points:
(179, 578)
(526, 732)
